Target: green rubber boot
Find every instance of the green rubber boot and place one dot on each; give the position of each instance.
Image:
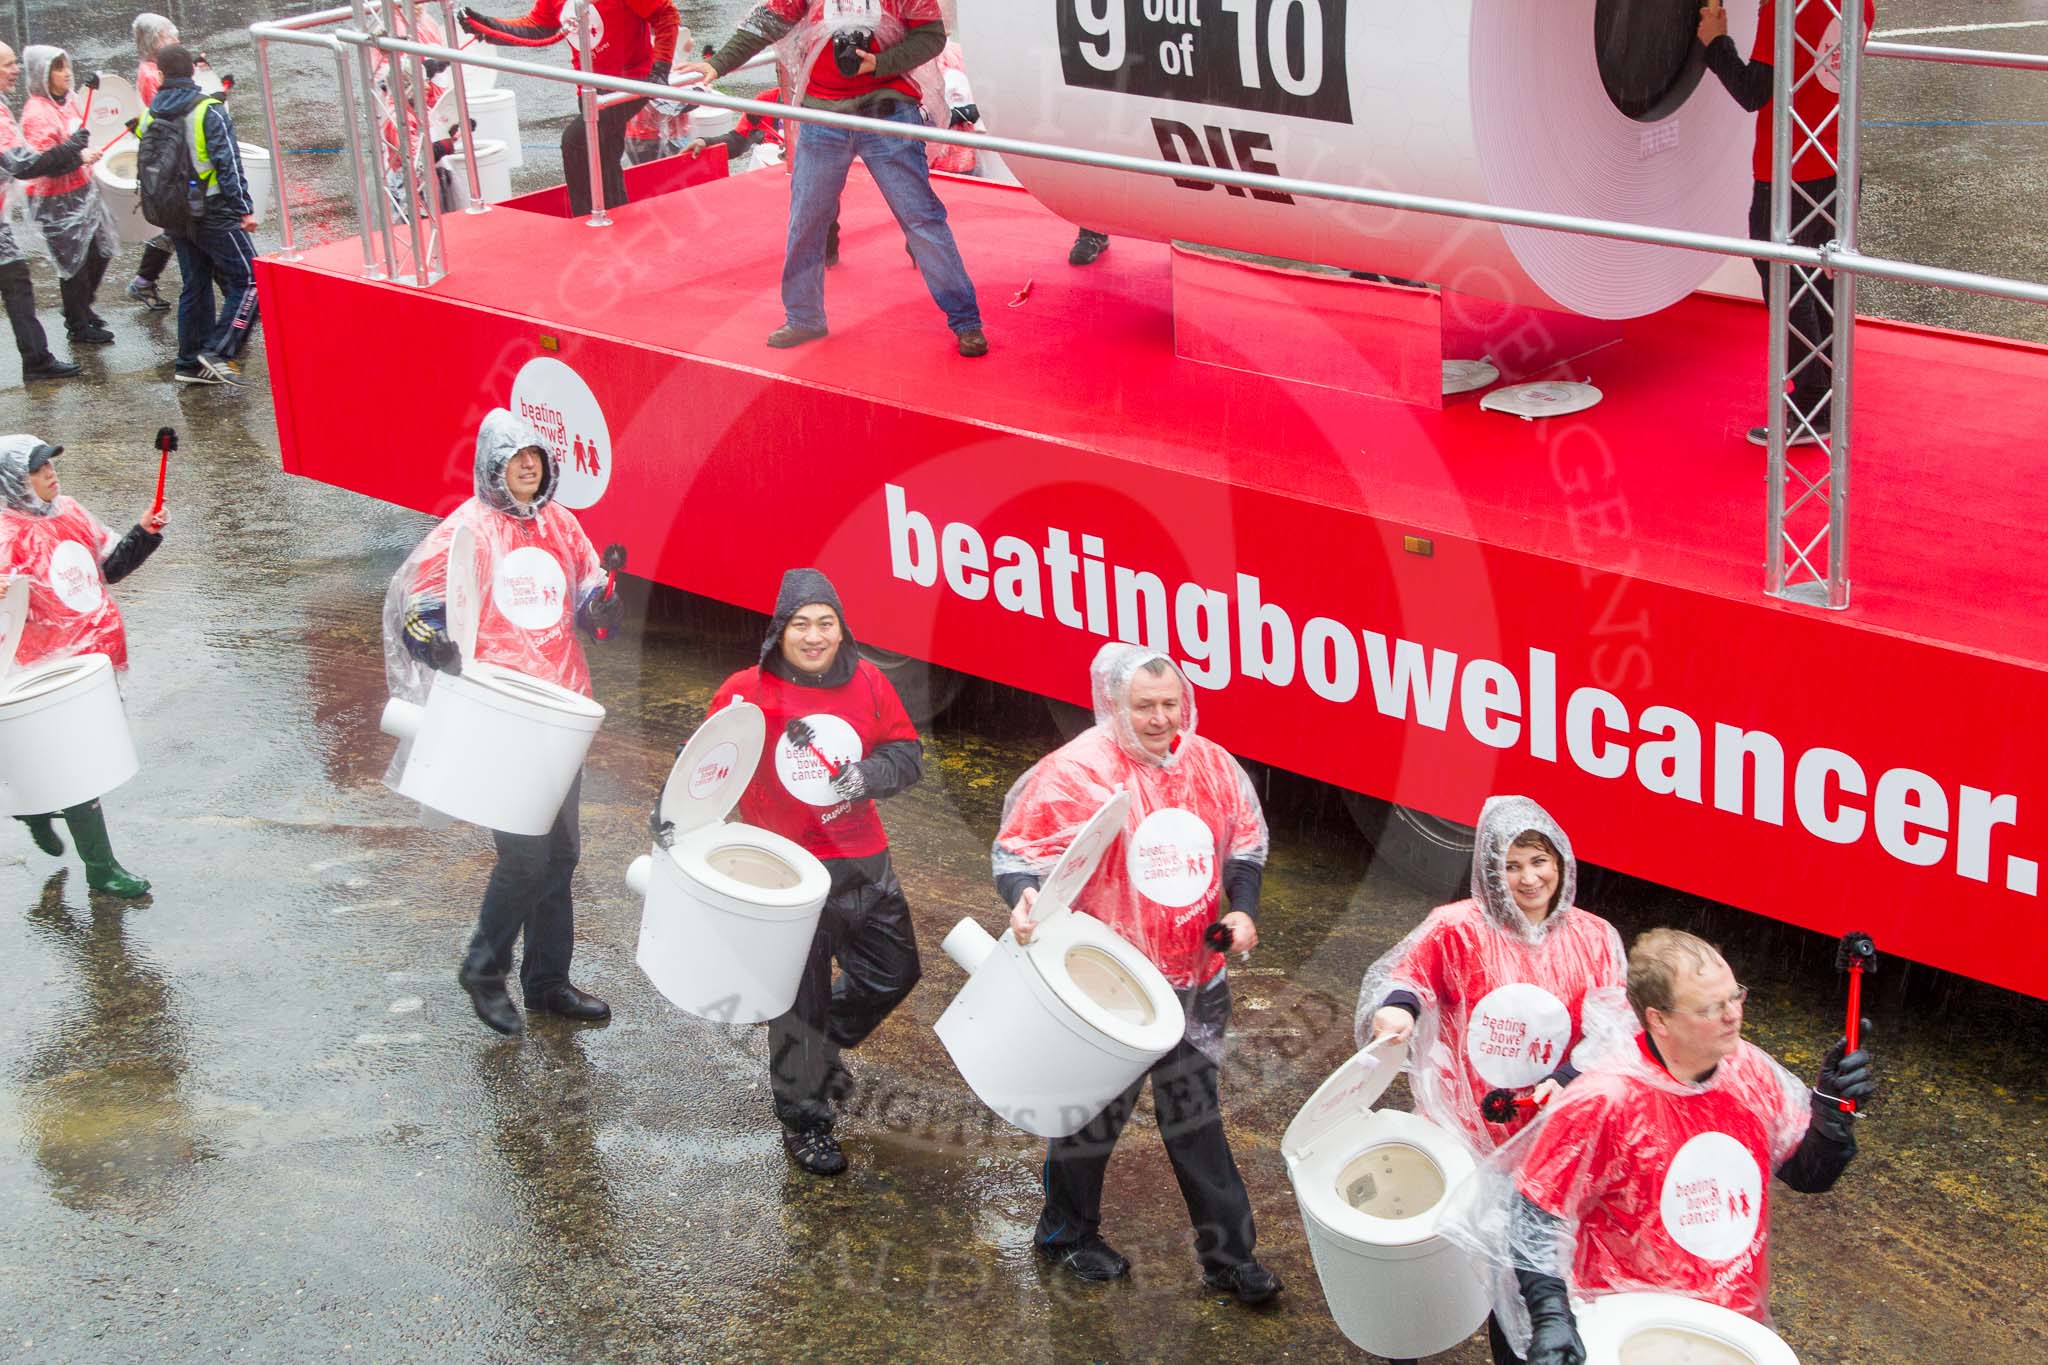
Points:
(44, 833)
(89, 831)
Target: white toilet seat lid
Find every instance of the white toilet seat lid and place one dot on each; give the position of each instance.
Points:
(1352, 1089)
(715, 767)
(465, 599)
(13, 620)
(1070, 874)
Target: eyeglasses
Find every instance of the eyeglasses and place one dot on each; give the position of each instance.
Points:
(1720, 1008)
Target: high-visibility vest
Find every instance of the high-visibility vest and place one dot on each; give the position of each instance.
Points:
(195, 130)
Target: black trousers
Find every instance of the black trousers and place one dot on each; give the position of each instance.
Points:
(1497, 1341)
(81, 289)
(1190, 1114)
(18, 291)
(865, 926)
(529, 893)
(611, 150)
(1810, 327)
(156, 254)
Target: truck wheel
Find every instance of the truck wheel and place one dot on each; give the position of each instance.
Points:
(926, 689)
(1428, 852)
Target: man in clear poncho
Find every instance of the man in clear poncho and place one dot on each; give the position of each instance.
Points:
(1194, 840)
(19, 161)
(872, 58)
(76, 224)
(1493, 992)
(1652, 1171)
(152, 34)
(69, 560)
(541, 581)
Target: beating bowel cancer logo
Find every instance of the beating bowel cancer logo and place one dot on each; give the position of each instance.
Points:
(802, 773)
(1713, 1197)
(554, 398)
(530, 589)
(75, 578)
(1172, 857)
(1517, 1035)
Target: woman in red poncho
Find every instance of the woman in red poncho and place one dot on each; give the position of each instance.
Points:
(69, 560)
(1194, 840)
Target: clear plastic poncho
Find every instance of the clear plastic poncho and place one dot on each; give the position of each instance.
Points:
(534, 564)
(801, 31)
(1160, 885)
(15, 157)
(1504, 1002)
(59, 547)
(1639, 1182)
(66, 207)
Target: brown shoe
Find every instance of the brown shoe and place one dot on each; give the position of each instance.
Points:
(974, 343)
(782, 338)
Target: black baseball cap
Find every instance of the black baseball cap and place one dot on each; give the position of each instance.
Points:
(42, 455)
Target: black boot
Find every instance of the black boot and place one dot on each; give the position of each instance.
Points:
(44, 833)
(89, 831)
(1088, 247)
(492, 1002)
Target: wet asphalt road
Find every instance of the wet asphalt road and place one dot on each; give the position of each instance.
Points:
(253, 1117)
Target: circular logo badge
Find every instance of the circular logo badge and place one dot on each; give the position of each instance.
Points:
(1713, 1197)
(1172, 858)
(529, 588)
(1517, 1035)
(708, 776)
(565, 412)
(1828, 65)
(75, 578)
(807, 779)
(572, 16)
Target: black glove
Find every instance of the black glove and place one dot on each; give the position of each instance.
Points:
(601, 611)
(850, 782)
(82, 137)
(435, 67)
(658, 74)
(800, 733)
(848, 47)
(1553, 1334)
(966, 115)
(1842, 1077)
(443, 146)
(425, 632)
(88, 80)
(498, 31)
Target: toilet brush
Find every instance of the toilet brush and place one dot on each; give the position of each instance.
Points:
(1856, 955)
(800, 735)
(166, 442)
(1503, 1106)
(614, 559)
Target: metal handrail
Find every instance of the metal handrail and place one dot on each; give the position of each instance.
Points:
(293, 34)
(1828, 258)
(1958, 56)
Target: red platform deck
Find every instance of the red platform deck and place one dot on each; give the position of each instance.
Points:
(1589, 625)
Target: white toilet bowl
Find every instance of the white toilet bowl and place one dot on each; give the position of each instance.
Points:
(261, 175)
(1371, 1185)
(493, 172)
(1049, 1034)
(730, 909)
(1670, 1329)
(496, 115)
(491, 746)
(63, 732)
(115, 175)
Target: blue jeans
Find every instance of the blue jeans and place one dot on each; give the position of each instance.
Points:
(215, 253)
(823, 156)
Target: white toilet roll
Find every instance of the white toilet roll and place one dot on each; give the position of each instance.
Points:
(1496, 101)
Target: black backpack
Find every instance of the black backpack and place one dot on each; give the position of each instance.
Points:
(173, 197)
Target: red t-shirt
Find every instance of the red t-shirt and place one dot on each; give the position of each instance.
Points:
(627, 36)
(1816, 99)
(1669, 1183)
(70, 610)
(791, 793)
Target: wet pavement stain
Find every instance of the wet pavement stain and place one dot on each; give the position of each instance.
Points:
(221, 1136)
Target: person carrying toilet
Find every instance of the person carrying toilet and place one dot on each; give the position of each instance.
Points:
(77, 226)
(1652, 1171)
(842, 742)
(18, 161)
(1194, 842)
(541, 582)
(1492, 993)
(152, 33)
(69, 560)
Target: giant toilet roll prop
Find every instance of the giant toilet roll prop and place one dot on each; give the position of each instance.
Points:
(1049, 1034)
(1587, 107)
(1371, 1185)
(63, 733)
(1667, 1329)
(730, 909)
(491, 746)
